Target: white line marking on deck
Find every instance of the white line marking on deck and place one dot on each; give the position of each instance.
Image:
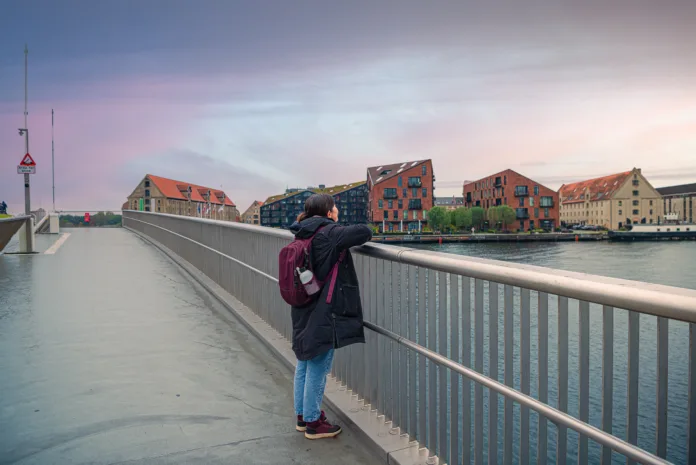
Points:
(54, 248)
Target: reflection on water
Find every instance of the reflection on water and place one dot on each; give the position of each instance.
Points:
(672, 263)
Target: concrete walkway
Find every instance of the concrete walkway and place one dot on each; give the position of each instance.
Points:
(110, 355)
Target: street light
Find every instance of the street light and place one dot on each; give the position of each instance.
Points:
(25, 132)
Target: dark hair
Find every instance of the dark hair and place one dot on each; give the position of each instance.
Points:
(317, 205)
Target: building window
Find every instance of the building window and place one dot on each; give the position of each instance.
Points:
(521, 201)
(147, 183)
(424, 170)
(390, 193)
(620, 212)
(425, 192)
(415, 214)
(401, 204)
(414, 192)
(400, 182)
(147, 192)
(380, 202)
(396, 214)
(651, 203)
(620, 203)
(636, 212)
(546, 212)
(651, 212)
(405, 214)
(531, 201)
(636, 193)
(405, 192)
(636, 203)
(536, 213)
(536, 190)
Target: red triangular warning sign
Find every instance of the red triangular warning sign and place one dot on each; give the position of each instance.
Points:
(28, 161)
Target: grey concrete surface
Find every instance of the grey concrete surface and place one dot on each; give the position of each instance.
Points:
(109, 354)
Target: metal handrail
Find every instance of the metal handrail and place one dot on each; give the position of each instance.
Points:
(552, 414)
(545, 410)
(652, 299)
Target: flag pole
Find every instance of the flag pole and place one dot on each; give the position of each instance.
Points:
(53, 171)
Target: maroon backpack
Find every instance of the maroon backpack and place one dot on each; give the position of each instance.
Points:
(297, 255)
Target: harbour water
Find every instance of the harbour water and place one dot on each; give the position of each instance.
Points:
(667, 263)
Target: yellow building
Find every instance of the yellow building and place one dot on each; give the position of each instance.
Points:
(162, 195)
(611, 201)
(253, 214)
(680, 200)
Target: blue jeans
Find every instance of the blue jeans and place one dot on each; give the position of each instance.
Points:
(310, 381)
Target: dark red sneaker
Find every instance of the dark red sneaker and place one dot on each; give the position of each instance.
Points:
(302, 425)
(321, 429)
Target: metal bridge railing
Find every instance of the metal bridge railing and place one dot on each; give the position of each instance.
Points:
(485, 361)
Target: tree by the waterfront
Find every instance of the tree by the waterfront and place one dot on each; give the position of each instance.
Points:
(438, 218)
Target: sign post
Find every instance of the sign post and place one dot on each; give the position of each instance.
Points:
(26, 167)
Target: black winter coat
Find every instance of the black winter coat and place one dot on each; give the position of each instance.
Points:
(318, 326)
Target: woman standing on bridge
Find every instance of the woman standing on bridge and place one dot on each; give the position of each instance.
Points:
(328, 322)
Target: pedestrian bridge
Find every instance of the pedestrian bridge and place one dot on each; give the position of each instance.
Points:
(167, 342)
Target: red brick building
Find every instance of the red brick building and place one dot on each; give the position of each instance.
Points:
(536, 206)
(400, 195)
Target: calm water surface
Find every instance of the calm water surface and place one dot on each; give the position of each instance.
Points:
(667, 263)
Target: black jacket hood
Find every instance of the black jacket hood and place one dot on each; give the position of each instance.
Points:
(308, 227)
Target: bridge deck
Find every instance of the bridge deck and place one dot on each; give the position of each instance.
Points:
(109, 355)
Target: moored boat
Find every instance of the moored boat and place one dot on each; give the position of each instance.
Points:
(671, 229)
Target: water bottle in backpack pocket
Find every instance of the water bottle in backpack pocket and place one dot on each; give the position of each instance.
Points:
(308, 281)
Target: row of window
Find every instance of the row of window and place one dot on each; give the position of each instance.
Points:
(412, 204)
(391, 193)
(379, 216)
(497, 182)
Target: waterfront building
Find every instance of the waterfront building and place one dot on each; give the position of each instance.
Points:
(535, 205)
(611, 201)
(162, 195)
(449, 203)
(253, 214)
(400, 195)
(281, 211)
(680, 200)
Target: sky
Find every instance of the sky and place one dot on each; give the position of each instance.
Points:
(256, 96)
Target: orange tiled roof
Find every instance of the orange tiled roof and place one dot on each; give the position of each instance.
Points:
(598, 189)
(177, 190)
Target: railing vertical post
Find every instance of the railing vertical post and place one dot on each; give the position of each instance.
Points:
(413, 357)
(478, 389)
(633, 367)
(395, 368)
(584, 388)
(542, 362)
(432, 367)
(562, 439)
(662, 385)
(525, 372)
(455, 330)
(508, 327)
(443, 338)
(404, 368)
(422, 340)
(607, 377)
(493, 372)
(692, 395)
(466, 361)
